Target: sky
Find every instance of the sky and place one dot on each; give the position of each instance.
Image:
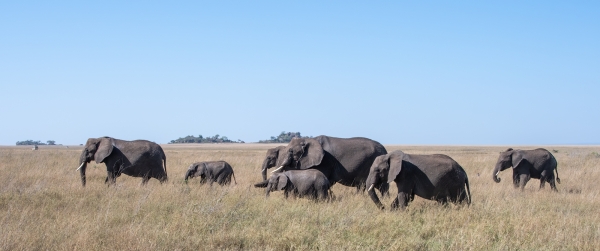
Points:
(399, 72)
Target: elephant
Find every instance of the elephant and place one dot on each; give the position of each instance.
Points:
(538, 164)
(434, 177)
(138, 158)
(213, 171)
(342, 160)
(273, 156)
(308, 183)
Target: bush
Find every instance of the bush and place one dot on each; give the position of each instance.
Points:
(284, 137)
(191, 139)
(29, 143)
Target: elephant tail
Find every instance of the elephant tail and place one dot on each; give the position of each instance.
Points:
(556, 169)
(164, 157)
(234, 181)
(468, 191)
(331, 197)
(557, 178)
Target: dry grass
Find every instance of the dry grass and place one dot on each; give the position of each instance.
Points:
(44, 207)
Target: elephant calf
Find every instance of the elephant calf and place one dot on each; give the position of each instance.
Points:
(213, 171)
(308, 183)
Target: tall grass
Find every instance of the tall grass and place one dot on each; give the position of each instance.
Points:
(43, 206)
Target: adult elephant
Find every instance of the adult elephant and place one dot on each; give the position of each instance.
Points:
(273, 156)
(138, 158)
(342, 160)
(526, 164)
(434, 177)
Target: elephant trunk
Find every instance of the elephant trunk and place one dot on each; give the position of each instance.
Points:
(374, 197)
(82, 166)
(371, 184)
(81, 169)
(288, 160)
(188, 174)
(496, 172)
(264, 169)
(268, 190)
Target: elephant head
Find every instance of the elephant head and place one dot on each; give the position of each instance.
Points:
(95, 149)
(302, 153)
(277, 182)
(384, 170)
(195, 170)
(506, 160)
(274, 155)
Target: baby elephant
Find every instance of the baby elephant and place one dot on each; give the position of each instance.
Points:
(308, 183)
(214, 171)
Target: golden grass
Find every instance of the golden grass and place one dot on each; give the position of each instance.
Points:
(44, 207)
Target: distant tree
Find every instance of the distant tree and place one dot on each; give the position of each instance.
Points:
(50, 142)
(284, 137)
(29, 143)
(200, 139)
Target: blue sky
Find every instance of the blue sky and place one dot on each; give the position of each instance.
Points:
(399, 72)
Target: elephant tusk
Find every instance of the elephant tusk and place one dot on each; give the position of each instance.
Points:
(370, 188)
(279, 168)
(80, 166)
(497, 173)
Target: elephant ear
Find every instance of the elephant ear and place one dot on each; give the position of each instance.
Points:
(313, 154)
(281, 155)
(105, 148)
(395, 163)
(194, 168)
(203, 169)
(517, 158)
(283, 180)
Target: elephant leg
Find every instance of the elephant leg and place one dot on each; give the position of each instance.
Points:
(360, 188)
(401, 201)
(462, 196)
(111, 178)
(442, 200)
(162, 179)
(322, 195)
(543, 179)
(384, 189)
(552, 183)
(145, 180)
(523, 180)
(516, 180)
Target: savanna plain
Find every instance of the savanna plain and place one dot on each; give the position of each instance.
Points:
(43, 206)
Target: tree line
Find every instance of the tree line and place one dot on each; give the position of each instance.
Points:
(37, 142)
(284, 137)
(200, 139)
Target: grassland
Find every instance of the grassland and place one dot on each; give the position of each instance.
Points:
(44, 207)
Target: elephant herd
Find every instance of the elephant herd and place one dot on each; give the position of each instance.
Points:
(308, 167)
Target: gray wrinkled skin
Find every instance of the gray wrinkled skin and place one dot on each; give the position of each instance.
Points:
(138, 158)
